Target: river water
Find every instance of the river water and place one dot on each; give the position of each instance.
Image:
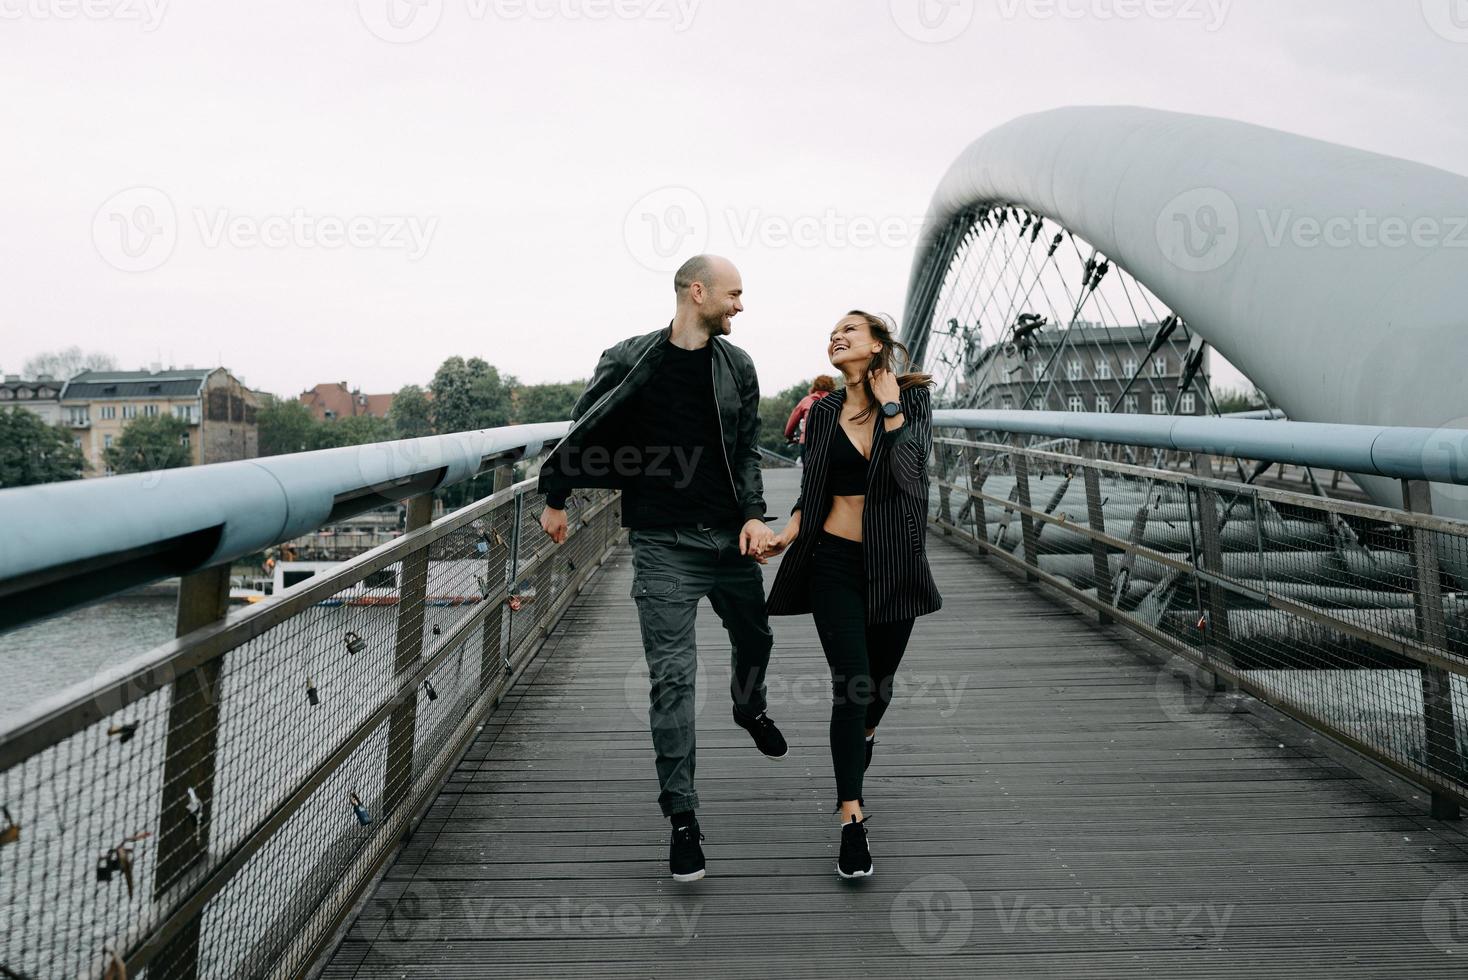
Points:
(44, 658)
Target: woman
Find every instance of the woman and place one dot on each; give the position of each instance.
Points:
(822, 386)
(856, 537)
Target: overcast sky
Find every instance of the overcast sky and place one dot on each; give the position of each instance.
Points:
(356, 189)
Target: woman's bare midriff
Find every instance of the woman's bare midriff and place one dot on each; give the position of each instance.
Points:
(844, 521)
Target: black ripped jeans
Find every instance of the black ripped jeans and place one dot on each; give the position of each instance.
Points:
(863, 658)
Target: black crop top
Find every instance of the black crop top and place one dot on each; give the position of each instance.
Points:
(848, 474)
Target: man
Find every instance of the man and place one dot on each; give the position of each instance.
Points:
(672, 418)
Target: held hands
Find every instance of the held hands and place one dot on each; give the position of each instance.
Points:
(884, 386)
(553, 522)
(755, 538)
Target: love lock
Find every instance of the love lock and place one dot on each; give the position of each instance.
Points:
(360, 809)
(428, 689)
(312, 697)
(107, 864)
(355, 644)
(10, 833)
(124, 731)
(195, 807)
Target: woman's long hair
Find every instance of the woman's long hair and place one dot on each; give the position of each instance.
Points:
(885, 360)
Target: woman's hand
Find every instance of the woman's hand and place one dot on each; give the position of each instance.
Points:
(884, 386)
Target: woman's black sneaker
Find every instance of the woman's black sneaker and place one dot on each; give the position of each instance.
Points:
(767, 737)
(855, 860)
(685, 856)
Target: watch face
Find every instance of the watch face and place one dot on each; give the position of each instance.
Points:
(890, 409)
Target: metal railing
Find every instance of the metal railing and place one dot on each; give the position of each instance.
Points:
(1350, 617)
(217, 806)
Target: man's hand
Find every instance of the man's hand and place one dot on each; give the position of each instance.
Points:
(754, 538)
(553, 522)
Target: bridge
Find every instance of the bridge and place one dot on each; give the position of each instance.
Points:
(1170, 720)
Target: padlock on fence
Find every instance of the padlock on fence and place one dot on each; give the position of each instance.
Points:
(312, 697)
(355, 643)
(428, 690)
(108, 864)
(10, 833)
(360, 809)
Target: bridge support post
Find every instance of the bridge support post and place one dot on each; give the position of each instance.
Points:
(945, 504)
(1438, 722)
(1026, 521)
(1100, 563)
(189, 759)
(408, 648)
(496, 564)
(1210, 534)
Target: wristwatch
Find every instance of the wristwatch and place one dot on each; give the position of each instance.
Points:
(890, 409)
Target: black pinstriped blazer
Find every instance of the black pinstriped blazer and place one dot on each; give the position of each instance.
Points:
(894, 520)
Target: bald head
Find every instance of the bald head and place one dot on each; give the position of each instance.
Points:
(710, 270)
(709, 291)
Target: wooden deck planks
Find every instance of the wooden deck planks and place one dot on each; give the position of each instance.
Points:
(1044, 803)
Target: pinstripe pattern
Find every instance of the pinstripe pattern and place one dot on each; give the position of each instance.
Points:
(894, 517)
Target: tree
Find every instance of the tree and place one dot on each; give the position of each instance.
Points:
(287, 426)
(153, 442)
(1237, 400)
(359, 430)
(33, 452)
(65, 364)
(547, 402)
(411, 413)
(469, 395)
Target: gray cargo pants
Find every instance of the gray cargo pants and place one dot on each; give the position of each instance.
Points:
(673, 568)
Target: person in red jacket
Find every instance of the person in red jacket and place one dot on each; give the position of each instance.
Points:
(822, 386)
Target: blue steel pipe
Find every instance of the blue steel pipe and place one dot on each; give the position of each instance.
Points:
(1434, 455)
(62, 544)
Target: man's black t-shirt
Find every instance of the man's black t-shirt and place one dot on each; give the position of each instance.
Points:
(680, 475)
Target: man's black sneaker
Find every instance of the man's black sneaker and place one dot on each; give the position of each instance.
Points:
(856, 858)
(767, 737)
(870, 743)
(685, 856)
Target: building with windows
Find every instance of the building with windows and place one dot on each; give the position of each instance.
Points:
(218, 408)
(40, 397)
(1086, 369)
(335, 401)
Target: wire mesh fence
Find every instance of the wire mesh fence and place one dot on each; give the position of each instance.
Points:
(1349, 616)
(215, 808)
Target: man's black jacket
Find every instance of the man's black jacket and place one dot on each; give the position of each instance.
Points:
(586, 456)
